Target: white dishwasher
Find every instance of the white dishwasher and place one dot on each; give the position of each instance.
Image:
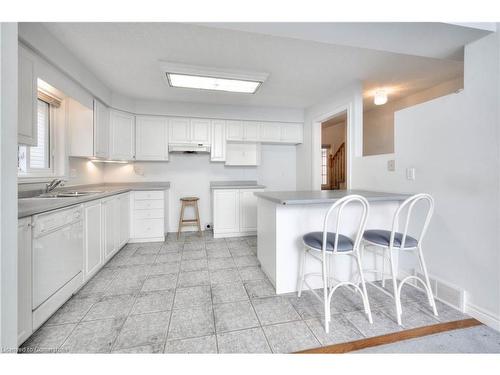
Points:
(57, 260)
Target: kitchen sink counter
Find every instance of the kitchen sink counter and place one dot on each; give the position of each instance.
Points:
(35, 205)
(235, 185)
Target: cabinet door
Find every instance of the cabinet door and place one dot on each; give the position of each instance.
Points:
(27, 100)
(124, 219)
(179, 130)
(151, 138)
(122, 142)
(234, 130)
(226, 211)
(101, 130)
(218, 148)
(81, 129)
(248, 211)
(291, 133)
(24, 313)
(109, 227)
(251, 131)
(200, 131)
(270, 132)
(93, 256)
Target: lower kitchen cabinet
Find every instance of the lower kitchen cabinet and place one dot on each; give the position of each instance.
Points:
(234, 212)
(147, 216)
(93, 258)
(24, 312)
(115, 212)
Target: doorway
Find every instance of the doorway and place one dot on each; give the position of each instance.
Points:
(333, 152)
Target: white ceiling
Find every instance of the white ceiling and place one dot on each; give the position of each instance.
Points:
(125, 56)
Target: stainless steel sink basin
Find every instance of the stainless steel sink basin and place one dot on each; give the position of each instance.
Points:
(68, 194)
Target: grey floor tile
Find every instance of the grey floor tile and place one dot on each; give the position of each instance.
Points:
(445, 313)
(133, 271)
(160, 282)
(194, 245)
(135, 260)
(308, 306)
(340, 330)
(245, 341)
(93, 337)
(240, 252)
(382, 324)
(218, 253)
(252, 273)
(237, 243)
(196, 345)
(252, 241)
(259, 288)
(111, 307)
(228, 292)
(290, 337)
(194, 254)
(219, 245)
(194, 265)
(220, 263)
(143, 329)
(234, 316)
(192, 322)
(73, 311)
(170, 247)
(192, 296)
(147, 250)
(169, 257)
(193, 278)
(125, 284)
(346, 300)
(143, 349)
(148, 302)
(98, 285)
(165, 268)
(227, 275)
(246, 261)
(272, 310)
(48, 339)
(412, 316)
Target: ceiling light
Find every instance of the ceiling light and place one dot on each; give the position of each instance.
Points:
(203, 78)
(380, 97)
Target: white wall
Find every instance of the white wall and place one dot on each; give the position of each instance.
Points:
(191, 175)
(8, 188)
(452, 142)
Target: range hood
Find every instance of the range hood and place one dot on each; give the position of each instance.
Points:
(189, 148)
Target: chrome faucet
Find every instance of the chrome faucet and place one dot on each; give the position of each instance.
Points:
(53, 184)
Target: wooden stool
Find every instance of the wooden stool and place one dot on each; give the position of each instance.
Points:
(189, 201)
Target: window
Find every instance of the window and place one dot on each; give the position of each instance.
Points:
(37, 160)
(324, 165)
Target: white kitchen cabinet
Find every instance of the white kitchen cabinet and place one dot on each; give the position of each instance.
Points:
(234, 130)
(251, 131)
(122, 135)
(291, 133)
(200, 131)
(151, 142)
(81, 129)
(234, 212)
(147, 216)
(93, 258)
(110, 218)
(218, 148)
(27, 100)
(24, 312)
(124, 214)
(179, 130)
(242, 154)
(270, 132)
(101, 130)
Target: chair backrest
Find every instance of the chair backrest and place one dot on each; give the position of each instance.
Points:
(339, 206)
(409, 204)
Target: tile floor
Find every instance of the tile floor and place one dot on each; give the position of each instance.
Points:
(208, 295)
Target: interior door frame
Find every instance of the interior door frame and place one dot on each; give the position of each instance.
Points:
(316, 144)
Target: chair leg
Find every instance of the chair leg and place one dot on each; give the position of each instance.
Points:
(326, 300)
(198, 218)
(430, 297)
(383, 268)
(301, 272)
(395, 288)
(366, 302)
(181, 218)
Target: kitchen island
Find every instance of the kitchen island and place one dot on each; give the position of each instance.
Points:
(284, 217)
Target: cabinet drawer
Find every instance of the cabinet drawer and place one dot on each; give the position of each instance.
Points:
(148, 214)
(148, 204)
(142, 195)
(145, 228)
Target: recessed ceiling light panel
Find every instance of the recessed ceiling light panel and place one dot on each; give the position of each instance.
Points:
(195, 77)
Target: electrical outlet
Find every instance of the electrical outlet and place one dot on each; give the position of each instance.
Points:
(391, 165)
(410, 174)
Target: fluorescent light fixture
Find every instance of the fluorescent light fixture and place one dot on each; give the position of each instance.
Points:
(202, 78)
(109, 161)
(380, 97)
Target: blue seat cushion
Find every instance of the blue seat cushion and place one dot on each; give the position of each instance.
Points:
(383, 237)
(315, 240)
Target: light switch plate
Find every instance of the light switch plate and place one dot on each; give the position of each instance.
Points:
(410, 174)
(391, 165)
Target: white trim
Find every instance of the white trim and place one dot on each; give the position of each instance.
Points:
(316, 144)
(484, 316)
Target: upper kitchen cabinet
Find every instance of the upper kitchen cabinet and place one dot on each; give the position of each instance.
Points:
(80, 121)
(27, 100)
(122, 135)
(218, 148)
(270, 132)
(151, 142)
(251, 131)
(179, 130)
(101, 130)
(274, 132)
(291, 133)
(234, 130)
(200, 131)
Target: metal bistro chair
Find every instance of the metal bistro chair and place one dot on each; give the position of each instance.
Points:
(391, 241)
(324, 246)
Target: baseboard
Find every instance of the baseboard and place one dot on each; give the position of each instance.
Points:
(484, 316)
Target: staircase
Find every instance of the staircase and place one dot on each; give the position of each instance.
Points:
(337, 168)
